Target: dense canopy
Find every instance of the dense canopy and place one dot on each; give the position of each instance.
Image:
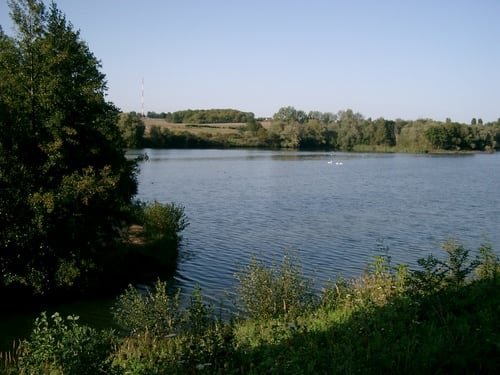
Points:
(64, 180)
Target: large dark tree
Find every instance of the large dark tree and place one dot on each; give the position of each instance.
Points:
(64, 180)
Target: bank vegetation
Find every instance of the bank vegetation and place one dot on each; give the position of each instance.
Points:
(440, 318)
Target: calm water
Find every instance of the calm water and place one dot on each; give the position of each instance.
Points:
(336, 217)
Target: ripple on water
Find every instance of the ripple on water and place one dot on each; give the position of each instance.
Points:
(249, 202)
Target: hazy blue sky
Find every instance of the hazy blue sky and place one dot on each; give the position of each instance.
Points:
(391, 58)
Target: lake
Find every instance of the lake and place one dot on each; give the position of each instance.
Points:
(335, 211)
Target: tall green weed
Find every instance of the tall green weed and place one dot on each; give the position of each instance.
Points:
(273, 291)
(167, 339)
(154, 311)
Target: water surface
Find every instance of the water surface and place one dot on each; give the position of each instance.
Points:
(335, 210)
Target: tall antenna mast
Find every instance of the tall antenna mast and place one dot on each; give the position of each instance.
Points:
(142, 98)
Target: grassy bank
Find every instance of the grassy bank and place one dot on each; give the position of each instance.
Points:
(440, 318)
(162, 134)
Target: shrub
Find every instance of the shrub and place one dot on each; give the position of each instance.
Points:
(380, 283)
(153, 311)
(334, 293)
(437, 274)
(149, 354)
(270, 292)
(163, 220)
(198, 316)
(62, 346)
(206, 341)
(167, 340)
(457, 266)
(489, 264)
(146, 354)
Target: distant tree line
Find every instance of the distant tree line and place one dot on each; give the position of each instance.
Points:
(350, 131)
(204, 116)
(345, 130)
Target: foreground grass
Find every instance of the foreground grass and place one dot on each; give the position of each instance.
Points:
(447, 332)
(441, 318)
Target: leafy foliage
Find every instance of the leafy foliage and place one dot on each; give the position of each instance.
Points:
(132, 129)
(62, 346)
(208, 116)
(64, 179)
(270, 292)
(163, 220)
(154, 311)
(452, 272)
(345, 130)
(166, 339)
(488, 263)
(252, 126)
(377, 323)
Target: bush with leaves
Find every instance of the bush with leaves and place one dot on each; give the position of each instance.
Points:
(377, 323)
(451, 272)
(381, 283)
(62, 346)
(206, 340)
(153, 311)
(163, 220)
(132, 129)
(165, 339)
(273, 291)
(152, 243)
(489, 263)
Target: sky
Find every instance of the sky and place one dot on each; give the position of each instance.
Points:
(404, 59)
